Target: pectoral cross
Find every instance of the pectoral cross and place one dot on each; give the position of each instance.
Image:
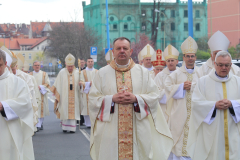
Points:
(124, 88)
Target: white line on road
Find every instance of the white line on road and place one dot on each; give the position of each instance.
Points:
(52, 100)
(85, 134)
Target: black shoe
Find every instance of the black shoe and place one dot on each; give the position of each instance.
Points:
(89, 127)
(38, 129)
(72, 132)
(41, 127)
(64, 131)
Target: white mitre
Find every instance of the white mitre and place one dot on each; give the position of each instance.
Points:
(26, 66)
(218, 41)
(170, 52)
(189, 46)
(8, 59)
(70, 60)
(21, 61)
(147, 51)
(109, 56)
(15, 60)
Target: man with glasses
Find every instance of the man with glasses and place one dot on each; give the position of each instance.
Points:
(170, 55)
(214, 124)
(180, 85)
(43, 86)
(217, 42)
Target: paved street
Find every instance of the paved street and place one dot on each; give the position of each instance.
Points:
(52, 144)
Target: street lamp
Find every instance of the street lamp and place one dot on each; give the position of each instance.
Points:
(164, 23)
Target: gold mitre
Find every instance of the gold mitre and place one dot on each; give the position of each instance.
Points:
(170, 52)
(21, 60)
(15, 60)
(147, 51)
(70, 60)
(189, 46)
(109, 56)
(26, 66)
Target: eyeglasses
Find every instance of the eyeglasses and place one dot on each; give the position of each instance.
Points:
(226, 65)
(187, 56)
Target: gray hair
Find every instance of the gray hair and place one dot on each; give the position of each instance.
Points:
(223, 54)
(35, 62)
(2, 56)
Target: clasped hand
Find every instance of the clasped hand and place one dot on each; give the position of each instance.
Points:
(124, 98)
(223, 104)
(187, 85)
(1, 107)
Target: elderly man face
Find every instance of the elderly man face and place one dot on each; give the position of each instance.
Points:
(171, 64)
(36, 66)
(223, 65)
(70, 68)
(158, 69)
(14, 69)
(147, 62)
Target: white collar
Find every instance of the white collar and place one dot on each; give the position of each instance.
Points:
(89, 69)
(220, 78)
(122, 66)
(36, 72)
(150, 69)
(189, 70)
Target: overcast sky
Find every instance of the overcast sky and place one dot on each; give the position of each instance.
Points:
(24, 11)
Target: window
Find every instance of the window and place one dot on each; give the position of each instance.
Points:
(198, 27)
(23, 55)
(173, 42)
(162, 26)
(185, 13)
(29, 56)
(37, 48)
(172, 13)
(111, 18)
(185, 26)
(125, 26)
(143, 26)
(162, 13)
(114, 26)
(197, 14)
(143, 13)
(129, 18)
(172, 26)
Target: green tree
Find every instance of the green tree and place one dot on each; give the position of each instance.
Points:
(203, 55)
(233, 52)
(202, 44)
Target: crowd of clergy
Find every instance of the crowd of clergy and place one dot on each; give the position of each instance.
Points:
(147, 111)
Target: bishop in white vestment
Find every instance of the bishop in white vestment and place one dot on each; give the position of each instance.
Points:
(214, 132)
(43, 90)
(67, 92)
(16, 118)
(179, 86)
(217, 42)
(86, 78)
(127, 121)
(170, 55)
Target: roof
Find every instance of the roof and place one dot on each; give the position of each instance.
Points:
(39, 41)
(27, 42)
(37, 27)
(10, 44)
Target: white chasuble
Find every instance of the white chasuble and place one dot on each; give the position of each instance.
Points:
(16, 134)
(42, 81)
(67, 92)
(180, 110)
(219, 140)
(206, 68)
(28, 79)
(160, 82)
(133, 132)
(86, 77)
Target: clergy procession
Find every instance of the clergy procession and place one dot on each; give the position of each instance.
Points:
(153, 110)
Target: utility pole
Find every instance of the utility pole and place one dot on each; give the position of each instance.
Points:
(190, 18)
(107, 24)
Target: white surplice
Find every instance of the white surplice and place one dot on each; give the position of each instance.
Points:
(206, 137)
(151, 135)
(17, 129)
(206, 68)
(179, 111)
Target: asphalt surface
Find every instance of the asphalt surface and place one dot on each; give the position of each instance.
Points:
(52, 144)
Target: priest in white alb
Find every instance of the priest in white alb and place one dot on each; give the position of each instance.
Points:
(67, 92)
(16, 116)
(170, 55)
(214, 132)
(179, 86)
(217, 42)
(43, 89)
(86, 78)
(127, 121)
(159, 64)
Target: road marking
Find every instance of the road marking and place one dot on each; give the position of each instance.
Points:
(85, 134)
